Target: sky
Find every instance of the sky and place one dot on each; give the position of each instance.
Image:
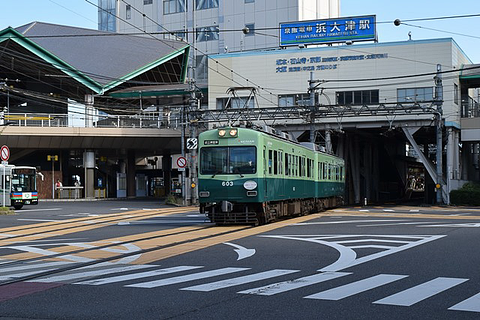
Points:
(464, 31)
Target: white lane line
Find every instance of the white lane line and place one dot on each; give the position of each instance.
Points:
(471, 304)
(239, 280)
(80, 273)
(391, 224)
(38, 220)
(46, 209)
(388, 210)
(421, 292)
(342, 222)
(139, 275)
(356, 287)
(281, 287)
(190, 277)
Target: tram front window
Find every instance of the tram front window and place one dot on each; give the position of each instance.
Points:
(228, 160)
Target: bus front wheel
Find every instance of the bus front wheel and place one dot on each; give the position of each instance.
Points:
(18, 206)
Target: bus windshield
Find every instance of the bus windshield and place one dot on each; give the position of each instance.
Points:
(228, 160)
(24, 180)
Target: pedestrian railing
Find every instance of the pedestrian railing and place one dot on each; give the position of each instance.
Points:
(144, 121)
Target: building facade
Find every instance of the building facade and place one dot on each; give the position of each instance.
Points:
(213, 26)
(351, 79)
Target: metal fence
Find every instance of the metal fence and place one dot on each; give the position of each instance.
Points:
(151, 120)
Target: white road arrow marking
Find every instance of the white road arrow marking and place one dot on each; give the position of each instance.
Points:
(241, 251)
(345, 245)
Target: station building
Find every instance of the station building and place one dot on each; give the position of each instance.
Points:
(390, 155)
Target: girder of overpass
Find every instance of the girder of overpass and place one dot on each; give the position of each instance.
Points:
(309, 114)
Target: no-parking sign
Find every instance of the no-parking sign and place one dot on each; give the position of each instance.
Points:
(4, 153)
(181, 162)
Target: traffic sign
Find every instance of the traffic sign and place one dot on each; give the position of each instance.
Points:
(181, 162)
(192, 143)
(4, 153)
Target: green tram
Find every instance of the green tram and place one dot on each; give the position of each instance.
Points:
(250, 176)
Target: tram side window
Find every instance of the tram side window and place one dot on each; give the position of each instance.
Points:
(270, 161)
(286, 164)
(275, 162)
(296, 166)
(280, 162)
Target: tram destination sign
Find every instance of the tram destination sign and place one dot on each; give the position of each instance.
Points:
(360, 28)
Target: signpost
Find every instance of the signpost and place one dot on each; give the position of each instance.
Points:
(181, 163)
(4, 155)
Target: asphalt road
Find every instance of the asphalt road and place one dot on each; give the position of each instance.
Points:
(145, 260)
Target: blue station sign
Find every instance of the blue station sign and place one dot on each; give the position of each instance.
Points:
(361, 28)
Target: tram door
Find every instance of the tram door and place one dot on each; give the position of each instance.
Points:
(280, 173)
(265, 168)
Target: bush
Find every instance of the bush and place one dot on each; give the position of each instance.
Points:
(468, 195)
(6, 210)
(172, 200)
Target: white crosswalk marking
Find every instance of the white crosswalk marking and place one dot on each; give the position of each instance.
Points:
(472, 304)
(133, 276)
(81, 273)
(356, 287)
(22, 274)
(280, 287)
(239, 280)
(190, 277)
(29, 266)
(423, 291)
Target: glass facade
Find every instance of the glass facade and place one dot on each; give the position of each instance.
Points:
(357, 97)
(415, 94)
(174, 6)
(206, 4)
(106, 15)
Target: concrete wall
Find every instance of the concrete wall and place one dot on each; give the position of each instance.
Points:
(335, 64)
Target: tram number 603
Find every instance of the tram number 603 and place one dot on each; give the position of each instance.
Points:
(227, 183)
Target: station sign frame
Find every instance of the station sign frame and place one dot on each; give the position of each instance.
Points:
(337, 30)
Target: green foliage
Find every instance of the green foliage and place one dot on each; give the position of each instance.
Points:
(6, 210)
(172, 200)
(468, 195)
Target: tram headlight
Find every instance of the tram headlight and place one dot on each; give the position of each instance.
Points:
(233, 132)
(250, 185)
(222, 132)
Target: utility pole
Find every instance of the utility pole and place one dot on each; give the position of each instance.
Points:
(193, 134)
(311, 89)
(439, 125)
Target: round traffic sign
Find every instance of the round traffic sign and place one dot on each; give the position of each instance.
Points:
(4, 153)
(181, 162)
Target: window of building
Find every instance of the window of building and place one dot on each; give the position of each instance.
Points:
(207, 33)
(249, 1)
(147, 2)
(413, 95)
(174, 6)
(106, 15)
(290, 100)
(357, 97)
(235, 103)
(175, 35)
(251, 29)
(455, 93)
(206, 4)
(128, 12)
(201, 71)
